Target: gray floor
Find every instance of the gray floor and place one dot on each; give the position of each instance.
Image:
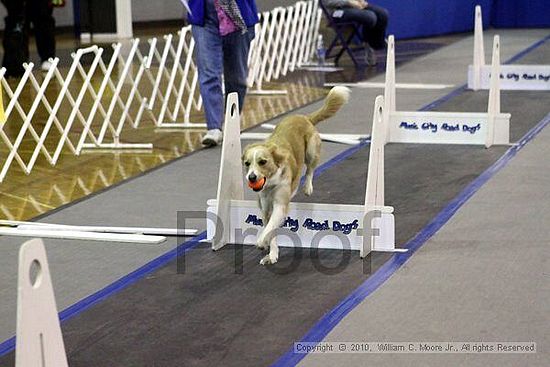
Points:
(441, 294)
(80, 269)
(482, 277)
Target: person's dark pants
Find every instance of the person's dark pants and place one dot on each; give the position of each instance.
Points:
(39, 13)
(15, 40)
(374, 21)
(17, 23)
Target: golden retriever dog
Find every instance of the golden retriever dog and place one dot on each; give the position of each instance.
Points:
(274, 167)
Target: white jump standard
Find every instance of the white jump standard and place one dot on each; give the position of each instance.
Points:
(323, 226)
(512, 76)
(433, 127)
(39, 340)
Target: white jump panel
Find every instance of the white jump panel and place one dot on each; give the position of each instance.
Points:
(446, 128)
(433, 127)
(514, 77)
(323, 226)
(308, 225)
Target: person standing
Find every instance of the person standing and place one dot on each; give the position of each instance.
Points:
(223, 30)
(21, 13)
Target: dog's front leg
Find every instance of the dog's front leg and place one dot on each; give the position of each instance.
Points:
(267, 237)
(265, 208)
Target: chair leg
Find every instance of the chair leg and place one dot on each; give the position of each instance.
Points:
(331, 47)
(343, 48)
(350, 51)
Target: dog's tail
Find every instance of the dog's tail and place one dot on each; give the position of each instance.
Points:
(336, 98)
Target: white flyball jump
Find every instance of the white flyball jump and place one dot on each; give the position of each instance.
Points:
(512, 76)
(308, 225)
(39, 340)
(433, 127)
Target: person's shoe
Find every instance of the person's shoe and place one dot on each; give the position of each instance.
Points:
(212, 138)
(46, 66)
(371, 56)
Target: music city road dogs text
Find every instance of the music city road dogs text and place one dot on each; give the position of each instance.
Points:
(309, 224)
(434, 127)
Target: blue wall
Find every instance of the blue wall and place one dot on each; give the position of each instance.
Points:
(521, 13)
(419, 18)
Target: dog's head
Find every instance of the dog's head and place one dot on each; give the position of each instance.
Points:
(261, 162)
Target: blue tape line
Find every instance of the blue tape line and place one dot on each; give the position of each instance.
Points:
(535, 45)
(320, 330)
(333, 317)
(117, 286)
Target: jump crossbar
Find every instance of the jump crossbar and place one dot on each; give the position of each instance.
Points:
(307, 224)
(512, 76)
(433, 127)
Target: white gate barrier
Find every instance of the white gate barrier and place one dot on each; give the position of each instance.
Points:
(285, 39)
(324, 226)
(174, 82)
(432, 127)
(512, 76)
(59, 126)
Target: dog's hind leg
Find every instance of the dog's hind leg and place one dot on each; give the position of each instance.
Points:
(313, 154)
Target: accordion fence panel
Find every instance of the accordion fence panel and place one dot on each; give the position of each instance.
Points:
(94, 101)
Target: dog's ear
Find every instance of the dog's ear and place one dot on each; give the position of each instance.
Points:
(278, 156)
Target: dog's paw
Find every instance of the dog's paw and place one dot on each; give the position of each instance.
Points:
(269, 259)
(260, 246)
(261, 243)
(308, 188)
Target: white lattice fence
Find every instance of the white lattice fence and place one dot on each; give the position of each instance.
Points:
(90, 105)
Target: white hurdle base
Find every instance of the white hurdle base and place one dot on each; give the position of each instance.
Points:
(80, 235)
(267, 92)
(376, 85)
(184, 125)
(124, 146)
(100, 229)
(321, 68)
(349, 139)
(332, 226)
(512, 76)
(39, 340)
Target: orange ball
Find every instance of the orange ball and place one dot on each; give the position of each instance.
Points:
(257, 185)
